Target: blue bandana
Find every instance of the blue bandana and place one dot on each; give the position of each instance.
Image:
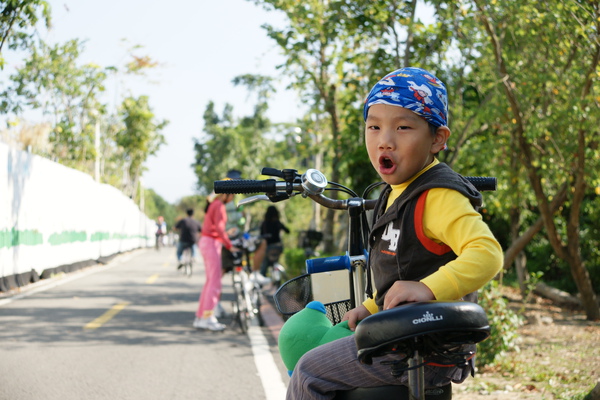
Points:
(414, 89)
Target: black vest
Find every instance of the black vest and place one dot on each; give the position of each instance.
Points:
(398, 248)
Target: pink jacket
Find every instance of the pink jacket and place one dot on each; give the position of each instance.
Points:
(214, 223)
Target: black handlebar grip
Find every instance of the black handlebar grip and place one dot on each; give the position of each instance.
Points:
(483, 183)
(244, 186)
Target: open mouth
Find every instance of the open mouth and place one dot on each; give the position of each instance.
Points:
(386, 163)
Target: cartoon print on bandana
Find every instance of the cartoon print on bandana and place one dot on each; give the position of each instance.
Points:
(421, 92)
(388, 93)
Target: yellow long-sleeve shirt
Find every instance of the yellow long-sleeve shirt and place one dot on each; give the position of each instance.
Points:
(450, 218)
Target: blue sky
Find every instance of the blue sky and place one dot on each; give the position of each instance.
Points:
(201, 46)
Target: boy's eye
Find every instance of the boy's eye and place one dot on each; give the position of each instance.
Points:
(373, 127)
(403, 127)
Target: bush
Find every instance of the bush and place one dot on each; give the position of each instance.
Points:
(504, 324)
(294, 262)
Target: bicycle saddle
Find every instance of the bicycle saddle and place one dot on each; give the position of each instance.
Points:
(444, 325)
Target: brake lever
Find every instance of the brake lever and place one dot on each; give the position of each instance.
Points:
(253, 199)
(273, 198)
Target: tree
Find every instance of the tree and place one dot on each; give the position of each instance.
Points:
(231, 143)
(513, 115)
(139, 138)
(553, 111)
(17, 19)
(155, 205)
(318, 50)
(51, 80)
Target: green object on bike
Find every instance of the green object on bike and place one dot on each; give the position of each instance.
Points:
(306, 330)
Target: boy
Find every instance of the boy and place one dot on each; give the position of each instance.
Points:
(446, 251)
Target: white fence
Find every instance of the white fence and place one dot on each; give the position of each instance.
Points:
(53, 216)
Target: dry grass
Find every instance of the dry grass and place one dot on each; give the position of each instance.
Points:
(559, 357)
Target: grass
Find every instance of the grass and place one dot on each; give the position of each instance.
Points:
(558, 356)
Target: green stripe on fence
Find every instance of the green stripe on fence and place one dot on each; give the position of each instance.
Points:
(29, 237)
(13, 237)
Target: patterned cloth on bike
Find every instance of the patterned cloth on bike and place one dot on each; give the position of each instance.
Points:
(414, 89)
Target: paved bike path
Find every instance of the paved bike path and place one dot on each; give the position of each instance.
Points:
(147, 286)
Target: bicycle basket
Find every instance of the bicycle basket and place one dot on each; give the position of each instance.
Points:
(296, 293)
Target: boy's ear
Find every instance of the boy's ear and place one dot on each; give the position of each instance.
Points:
(442, 133)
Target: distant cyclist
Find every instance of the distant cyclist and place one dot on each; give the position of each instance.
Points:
(188, 235)
(270, 229)
(161, 231)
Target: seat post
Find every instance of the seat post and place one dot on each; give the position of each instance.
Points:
(416, 377)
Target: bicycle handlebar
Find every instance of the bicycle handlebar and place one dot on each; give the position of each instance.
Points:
(313, 184)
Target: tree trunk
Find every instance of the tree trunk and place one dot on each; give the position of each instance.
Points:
(522, 273)
(522, 241)
(329, 242)
(559, 297)
(584, 286)
(594, 394)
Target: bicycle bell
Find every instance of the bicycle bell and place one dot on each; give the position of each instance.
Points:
(314, 182)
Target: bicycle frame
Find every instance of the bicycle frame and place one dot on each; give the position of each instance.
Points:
(247, 292)
(187, 262)
(312, 184)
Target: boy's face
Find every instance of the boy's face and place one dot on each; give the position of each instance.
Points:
(400, 143)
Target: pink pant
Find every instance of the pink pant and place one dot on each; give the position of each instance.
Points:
(211, 253)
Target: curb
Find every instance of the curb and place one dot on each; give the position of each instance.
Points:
(272, 319)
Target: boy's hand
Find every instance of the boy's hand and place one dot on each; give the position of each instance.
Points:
(406, 292)
(355, 315)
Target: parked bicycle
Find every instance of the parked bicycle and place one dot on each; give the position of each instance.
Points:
(247, 291)
(394, 331)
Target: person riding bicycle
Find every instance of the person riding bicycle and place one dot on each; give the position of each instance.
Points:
(188, 235)
(427, 242)
(270, 229)
(161, 231)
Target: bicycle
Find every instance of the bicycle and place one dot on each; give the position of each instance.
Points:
(452, 324)
(187, 262)
(275, 270)
(247, 292)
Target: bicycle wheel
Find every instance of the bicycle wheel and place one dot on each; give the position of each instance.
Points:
(278, 275)
(240, 306)
(188, 269)
(255, 297)
(186, 262)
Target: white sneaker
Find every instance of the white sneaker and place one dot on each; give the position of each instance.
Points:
(259, 278)
(210, 324)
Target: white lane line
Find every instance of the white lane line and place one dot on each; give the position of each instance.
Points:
(269, 374)
(61, 280)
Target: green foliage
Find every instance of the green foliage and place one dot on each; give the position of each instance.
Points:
(294, 262)
(155, 205)
(247, 139)
(17, 19)
(140, 136)
(504, 324)
(52, 80)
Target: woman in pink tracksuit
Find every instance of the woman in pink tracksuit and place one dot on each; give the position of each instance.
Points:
(213, 238)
